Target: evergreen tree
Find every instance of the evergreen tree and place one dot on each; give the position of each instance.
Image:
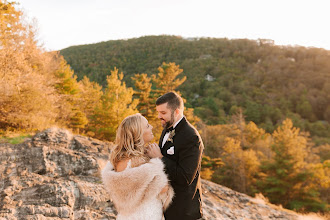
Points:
(78, 120)
(146, 104)
(286, 178)
(166, 81)
(67, 82)
(68, 88)
(116, 104)
(89, 99)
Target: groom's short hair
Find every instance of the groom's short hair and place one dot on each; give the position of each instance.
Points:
(173, 100)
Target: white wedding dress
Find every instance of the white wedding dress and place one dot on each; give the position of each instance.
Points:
(148, 210)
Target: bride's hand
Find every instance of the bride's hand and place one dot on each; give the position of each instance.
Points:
(153, 151)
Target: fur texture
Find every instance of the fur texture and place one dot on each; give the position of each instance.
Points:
(131, 188)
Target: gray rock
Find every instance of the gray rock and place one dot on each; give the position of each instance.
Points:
(56, 175)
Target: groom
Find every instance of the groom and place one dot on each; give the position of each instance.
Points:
(180, 148)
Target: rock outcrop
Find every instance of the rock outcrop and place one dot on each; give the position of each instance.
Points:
(56, 175)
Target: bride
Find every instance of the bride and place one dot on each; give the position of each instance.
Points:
(138, 185)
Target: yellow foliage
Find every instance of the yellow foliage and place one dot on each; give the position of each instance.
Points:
(146, 104)
(28, 100)
(207, 173)
(321, 173)
(90, 96)
(231, 145)
(253, 133)
(291, 142)
(165, 80)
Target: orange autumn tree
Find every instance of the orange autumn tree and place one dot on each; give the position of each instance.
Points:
(26, 75)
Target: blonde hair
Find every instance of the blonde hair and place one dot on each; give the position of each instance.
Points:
(129, 141)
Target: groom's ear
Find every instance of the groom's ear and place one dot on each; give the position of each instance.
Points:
(177, 112)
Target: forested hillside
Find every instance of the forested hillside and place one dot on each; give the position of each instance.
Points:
(269, 82)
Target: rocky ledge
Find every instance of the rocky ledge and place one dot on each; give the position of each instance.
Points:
(56, 175)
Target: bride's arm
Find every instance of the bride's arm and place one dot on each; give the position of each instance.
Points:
(164, 190)
(166, 196)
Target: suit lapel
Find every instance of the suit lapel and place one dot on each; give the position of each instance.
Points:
(161, 138)
(169, 144)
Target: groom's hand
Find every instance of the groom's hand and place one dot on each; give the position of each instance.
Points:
(153, 151)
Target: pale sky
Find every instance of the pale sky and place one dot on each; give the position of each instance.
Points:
(64, 23)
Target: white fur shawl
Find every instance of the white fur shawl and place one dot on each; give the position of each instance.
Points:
(132, 187)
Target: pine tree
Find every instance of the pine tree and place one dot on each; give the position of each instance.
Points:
(78, 120)
(68, 88)
(89, 99)
(286, 178)
(166, 81)
(146, 104)
(67, 83)
(147, 101)
(116, 104)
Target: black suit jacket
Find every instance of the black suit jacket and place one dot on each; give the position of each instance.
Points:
(183, 169)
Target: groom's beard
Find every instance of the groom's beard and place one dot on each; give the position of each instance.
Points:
(170, 122)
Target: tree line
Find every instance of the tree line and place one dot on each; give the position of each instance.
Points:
(268, 82)
(39, 89)
(284, 166)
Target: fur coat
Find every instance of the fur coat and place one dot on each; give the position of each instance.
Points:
(132, 187)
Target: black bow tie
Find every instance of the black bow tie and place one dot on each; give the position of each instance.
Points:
(169, 129)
